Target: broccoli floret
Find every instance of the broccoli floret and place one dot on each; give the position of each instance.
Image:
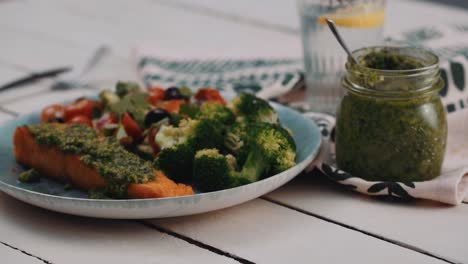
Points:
(169, 136)
(268, 149)
(273, 140)
(124, 88)
(217, 112)
(207, 134)
(176, 162)
(277, 145)
(213, 171)
(179, 144)
(250, 108)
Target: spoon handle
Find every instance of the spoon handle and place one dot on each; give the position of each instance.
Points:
(332, 26)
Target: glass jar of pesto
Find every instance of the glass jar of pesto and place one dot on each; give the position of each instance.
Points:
(391, 124)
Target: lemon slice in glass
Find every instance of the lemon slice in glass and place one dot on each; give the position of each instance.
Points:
(356, 16)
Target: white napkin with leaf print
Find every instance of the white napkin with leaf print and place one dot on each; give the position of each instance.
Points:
(271, 77)
(267, 77)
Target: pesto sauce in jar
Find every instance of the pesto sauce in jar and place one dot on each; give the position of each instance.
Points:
(386, 60)
(391, 124)
(114, 163)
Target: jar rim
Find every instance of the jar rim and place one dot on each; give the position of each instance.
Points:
(433, 60)
(381, 83)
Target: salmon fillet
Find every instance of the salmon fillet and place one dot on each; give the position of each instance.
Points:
(68, 168)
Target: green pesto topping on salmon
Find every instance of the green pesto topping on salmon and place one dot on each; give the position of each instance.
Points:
(113, 162)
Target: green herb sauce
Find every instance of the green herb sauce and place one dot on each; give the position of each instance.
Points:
(391, 139)
(29, 176)
(386, 60)
(377, 139)
(118, 166)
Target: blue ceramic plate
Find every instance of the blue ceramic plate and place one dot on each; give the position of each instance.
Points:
(53, 196)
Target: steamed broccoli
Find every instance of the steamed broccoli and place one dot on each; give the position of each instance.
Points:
(214, 171)
(250, 108)
(179, 144)
(124, 88)
(241, 137)
(276, 145)
(176, 162)
(268, 149)
(217, 112)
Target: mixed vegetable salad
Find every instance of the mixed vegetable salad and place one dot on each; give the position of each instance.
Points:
(194, 138)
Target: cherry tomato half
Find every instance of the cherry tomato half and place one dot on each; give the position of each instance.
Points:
(172, 106)
(52, 113)
(131, 127)
(156, 95)
(82, 107)
(210, 94)
(80, 119)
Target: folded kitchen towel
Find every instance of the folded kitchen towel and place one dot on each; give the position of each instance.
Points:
(267, 77)
(271, 77)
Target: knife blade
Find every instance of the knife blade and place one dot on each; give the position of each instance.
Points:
(33, 77)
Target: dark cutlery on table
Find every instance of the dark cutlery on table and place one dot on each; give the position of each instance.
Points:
(33, 77)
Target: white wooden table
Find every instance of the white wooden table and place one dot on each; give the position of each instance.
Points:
(307, 221)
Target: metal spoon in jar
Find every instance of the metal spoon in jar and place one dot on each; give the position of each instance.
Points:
(334, 30)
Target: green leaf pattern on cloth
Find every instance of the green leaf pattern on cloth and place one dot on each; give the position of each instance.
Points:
(230, 76)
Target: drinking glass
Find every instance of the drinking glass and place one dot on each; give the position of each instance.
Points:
(360, 22)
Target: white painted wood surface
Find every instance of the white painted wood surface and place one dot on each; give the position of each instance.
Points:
(26, 105)
(401, 15)
(39, 35)
(5, 117)
(59, 238)
(429, 226)
(264, 232)
(10, 255)
(9, 71)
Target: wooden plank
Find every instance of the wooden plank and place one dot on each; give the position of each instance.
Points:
(401, 15)
(257, 13)
(70, 42)
(62, 238)
(427, 226)
(42, 99)
(5, 117)
(263, 232)
(137, 24)
(9, 73)
(10, 255)
(143, 24)
(104, 76)
(36, 54)
(21, 92)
